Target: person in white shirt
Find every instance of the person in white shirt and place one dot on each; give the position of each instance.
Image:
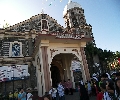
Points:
(61, 91)
(106, 95)
(53, 92)
(29, 95)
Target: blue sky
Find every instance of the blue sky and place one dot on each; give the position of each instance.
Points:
(103, 15)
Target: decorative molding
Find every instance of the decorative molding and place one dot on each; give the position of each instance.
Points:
(40, 68)
(38, 60)
(52, 50)
(76, 51)
(64, 49)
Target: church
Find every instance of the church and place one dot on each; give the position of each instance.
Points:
(47, 47)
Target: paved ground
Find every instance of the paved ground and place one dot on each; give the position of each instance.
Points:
(76, 97)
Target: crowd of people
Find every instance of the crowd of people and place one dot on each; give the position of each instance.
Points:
(58, 93)
(104, 87)
(22, 95)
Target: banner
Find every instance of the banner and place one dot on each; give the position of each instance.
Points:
(18, 72)
(75, 65)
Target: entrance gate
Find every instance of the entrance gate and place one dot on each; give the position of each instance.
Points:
(60, 53)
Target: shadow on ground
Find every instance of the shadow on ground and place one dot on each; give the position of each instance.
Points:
(76, 96)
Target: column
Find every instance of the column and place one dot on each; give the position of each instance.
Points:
(46, 68)
(85, 65)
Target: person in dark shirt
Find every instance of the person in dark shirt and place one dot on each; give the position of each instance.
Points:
(83, 92)
(105, 79)
(118, 75)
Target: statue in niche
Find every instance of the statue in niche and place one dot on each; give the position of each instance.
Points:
(15, 49)
(44, 24)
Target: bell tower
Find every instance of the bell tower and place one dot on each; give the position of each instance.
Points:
(75, 22)
(73, 15)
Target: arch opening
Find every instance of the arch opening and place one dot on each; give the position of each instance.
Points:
(62, 68)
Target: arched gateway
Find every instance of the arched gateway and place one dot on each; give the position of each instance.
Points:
(51, 51)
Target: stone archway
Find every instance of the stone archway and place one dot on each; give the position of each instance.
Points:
(62, 62)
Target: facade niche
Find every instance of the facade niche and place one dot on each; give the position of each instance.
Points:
(44, 24)
(15, 49)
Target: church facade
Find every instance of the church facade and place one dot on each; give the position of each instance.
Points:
(47, 47)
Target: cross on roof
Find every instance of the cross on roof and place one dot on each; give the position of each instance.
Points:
(42, 11)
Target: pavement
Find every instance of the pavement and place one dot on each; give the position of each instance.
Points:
(76, 96)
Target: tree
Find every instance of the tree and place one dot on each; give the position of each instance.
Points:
(105, 56)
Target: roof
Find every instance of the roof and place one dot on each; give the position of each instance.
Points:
(35, 23)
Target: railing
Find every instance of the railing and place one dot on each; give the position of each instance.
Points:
(67, 35)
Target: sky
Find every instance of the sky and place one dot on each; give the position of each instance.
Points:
(103, 15)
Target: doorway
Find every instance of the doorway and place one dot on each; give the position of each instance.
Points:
(55, 75)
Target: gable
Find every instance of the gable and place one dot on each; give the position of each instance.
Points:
(35, 22)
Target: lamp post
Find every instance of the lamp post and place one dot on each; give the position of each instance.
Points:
(13, 83)
(23, 76)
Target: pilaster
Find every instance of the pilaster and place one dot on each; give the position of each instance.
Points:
(46, 68)
(85, 65)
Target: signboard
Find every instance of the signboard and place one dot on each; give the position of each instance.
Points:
(75, 65)
(17, 71)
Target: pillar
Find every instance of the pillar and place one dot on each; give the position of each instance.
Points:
(46, 68)
(85, 65)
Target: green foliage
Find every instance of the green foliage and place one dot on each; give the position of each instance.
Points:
(105, 56)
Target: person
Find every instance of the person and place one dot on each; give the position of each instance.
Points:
(118, 75)
(89, 88)
(105, 78)
(29, 95)
(83, 91)
(16, 95)
(117, 90)
(105, 92)
(66, 87)
(113, 76)
(53, 92)
(10, 96)
(60, 89)
(23, 95)
(19, 96)
(70, 87)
